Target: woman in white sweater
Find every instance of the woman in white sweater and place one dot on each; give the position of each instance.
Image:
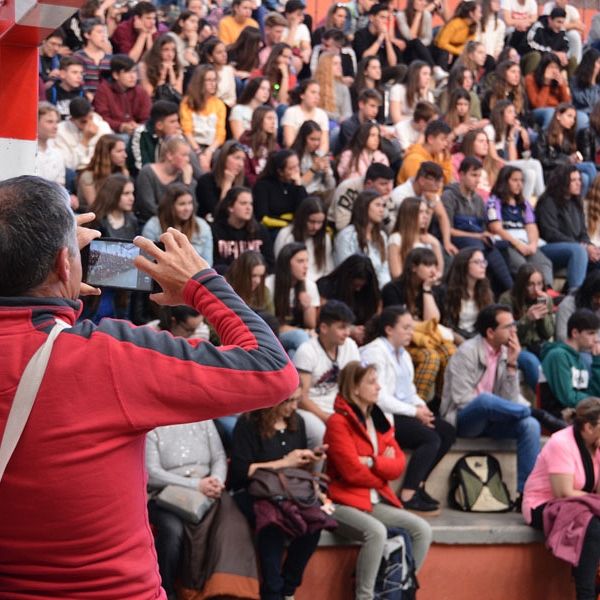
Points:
(417, 428)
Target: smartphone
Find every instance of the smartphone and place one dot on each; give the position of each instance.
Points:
(108, 263)
(541, 300)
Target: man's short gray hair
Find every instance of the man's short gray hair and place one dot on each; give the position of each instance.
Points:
(35, 223)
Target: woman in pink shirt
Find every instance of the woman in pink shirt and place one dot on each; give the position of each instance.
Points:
(568, 466)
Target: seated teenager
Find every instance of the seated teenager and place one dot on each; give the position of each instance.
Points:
(365, 235)
(466, 212)
(122, 102)
(569, 378)
(416, 427)
(354, 282)
(510, 217)
(416, 289)
(319, 361)
(533, 312)
(309, 228)
(235, 230)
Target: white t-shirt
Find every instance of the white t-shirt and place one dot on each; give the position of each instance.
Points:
(50, 163)
(572, 12)
(407, 135)
(398, 94)
(302, 35)
(311, 358)
(517, 10)
(294, 117)
(311, 288)
(285, 237)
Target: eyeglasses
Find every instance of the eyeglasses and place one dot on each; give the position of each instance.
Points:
(480, 262)
(508, 326)
(188, 330)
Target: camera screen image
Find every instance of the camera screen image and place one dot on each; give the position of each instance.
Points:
(110, 264)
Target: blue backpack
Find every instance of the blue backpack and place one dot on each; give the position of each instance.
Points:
(396, 579)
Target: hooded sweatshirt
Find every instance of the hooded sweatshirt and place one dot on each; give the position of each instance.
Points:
(567, 376)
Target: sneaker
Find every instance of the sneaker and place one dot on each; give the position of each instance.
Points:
(420, 507)
(439, 74)
(425, 496)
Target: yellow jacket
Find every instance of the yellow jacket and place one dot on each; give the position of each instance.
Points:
(415, 156)
(454, 35)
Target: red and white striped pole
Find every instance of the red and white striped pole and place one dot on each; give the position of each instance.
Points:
(23, 25)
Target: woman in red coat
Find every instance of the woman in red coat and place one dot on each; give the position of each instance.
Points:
(363, 457)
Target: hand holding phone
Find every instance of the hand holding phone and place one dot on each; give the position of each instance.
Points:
(173, 267)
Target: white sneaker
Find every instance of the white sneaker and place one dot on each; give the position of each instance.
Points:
(439, 74)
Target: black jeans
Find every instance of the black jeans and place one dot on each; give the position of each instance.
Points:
(277, 580)
(416, 50)
(168, 542)
(428, 445)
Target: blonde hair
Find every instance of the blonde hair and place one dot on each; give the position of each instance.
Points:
(324, 77)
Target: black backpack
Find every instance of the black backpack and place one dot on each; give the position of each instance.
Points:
(476, 485)
(396, 579)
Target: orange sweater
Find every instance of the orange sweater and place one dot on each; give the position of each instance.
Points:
(546, 96)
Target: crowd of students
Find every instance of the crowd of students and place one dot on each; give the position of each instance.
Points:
(370, 185)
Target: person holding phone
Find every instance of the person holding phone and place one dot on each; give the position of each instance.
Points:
(104, 388)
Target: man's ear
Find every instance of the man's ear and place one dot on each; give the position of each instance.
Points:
(62, 265)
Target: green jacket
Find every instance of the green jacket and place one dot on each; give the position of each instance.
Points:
(567, 376)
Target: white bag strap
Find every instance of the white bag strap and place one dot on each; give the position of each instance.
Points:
(25, 396)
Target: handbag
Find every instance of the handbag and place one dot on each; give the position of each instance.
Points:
(296, 485)
(187, 503)
(167, 92)
(27, 390)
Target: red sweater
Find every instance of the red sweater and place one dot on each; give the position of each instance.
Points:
(347, 436)
(73, 516)
(116, 105)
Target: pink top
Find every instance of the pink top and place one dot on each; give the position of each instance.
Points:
(486, 383)
(560, 455)
(365, 160)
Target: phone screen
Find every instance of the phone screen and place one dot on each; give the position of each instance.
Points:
(109, 264)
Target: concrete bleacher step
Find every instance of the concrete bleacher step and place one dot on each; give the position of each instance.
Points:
(438, 483)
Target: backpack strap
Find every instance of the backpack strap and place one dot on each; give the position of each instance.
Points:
(27, 390)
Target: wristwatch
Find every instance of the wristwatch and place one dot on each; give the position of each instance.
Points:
(370, 462)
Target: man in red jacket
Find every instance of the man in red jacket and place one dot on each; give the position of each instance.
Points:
(73, 497)
(122, 102)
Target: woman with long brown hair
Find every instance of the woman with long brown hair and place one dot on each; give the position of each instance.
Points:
(295, 296)
(273, 438)
(411, 231)
(176, 209)
(247, 275)
(468, 290)
(365, 234)
(110, 156)
(203, 115)
(227, 172)
(417, 289)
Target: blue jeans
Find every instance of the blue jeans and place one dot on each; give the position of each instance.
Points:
(492, 416)
(290, 340)
(588, 173)
(529, 364)
(571, 255)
